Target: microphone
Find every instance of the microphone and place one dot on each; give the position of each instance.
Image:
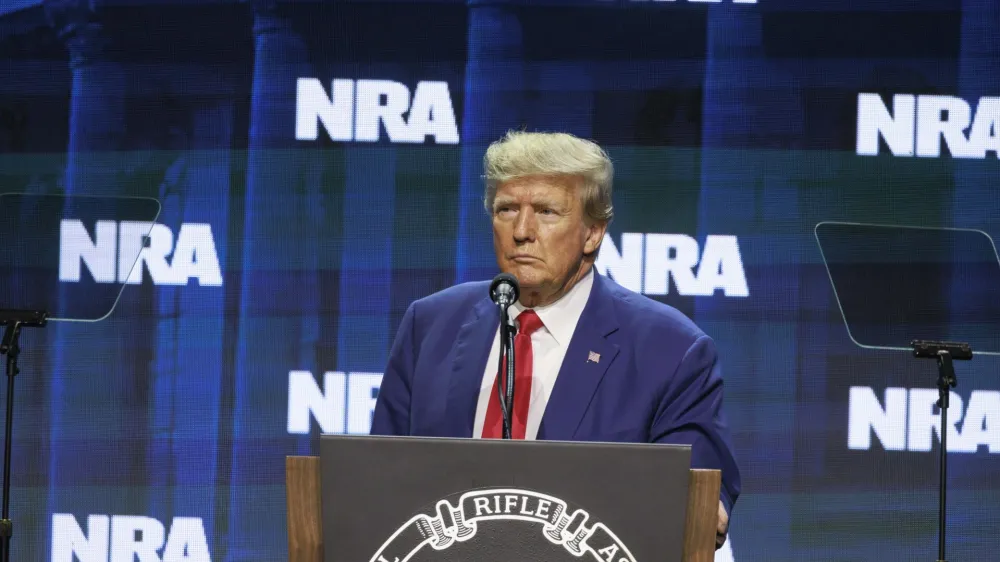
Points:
(504, 290)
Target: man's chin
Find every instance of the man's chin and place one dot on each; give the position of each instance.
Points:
(527, 274)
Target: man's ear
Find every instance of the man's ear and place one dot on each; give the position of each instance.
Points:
(595, 235)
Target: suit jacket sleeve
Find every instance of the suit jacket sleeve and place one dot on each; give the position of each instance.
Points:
(392, 408)
(690, 413)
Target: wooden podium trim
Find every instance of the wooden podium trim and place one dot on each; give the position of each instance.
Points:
(305, 513)
(702, 515)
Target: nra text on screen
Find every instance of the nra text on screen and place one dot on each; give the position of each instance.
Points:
(110, 253)
(916, 125)
(123, 538)
(344, 403)
(906, 419)
(359, 111)
(646, 263)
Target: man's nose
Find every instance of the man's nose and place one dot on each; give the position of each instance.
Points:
(524, 226)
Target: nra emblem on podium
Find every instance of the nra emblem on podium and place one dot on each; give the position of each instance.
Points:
(502, 524)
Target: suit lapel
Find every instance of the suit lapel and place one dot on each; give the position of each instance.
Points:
(581, 372)
(472, 348)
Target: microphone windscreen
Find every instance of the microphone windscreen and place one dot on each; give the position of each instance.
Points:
(505, 284)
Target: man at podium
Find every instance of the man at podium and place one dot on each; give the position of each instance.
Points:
(594, 361)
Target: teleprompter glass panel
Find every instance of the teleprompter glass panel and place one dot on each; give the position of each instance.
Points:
(71, 256)
(895, 284)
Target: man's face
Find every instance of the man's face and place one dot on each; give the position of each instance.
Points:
(541, 237)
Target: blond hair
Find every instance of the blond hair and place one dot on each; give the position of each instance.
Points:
(521, 154)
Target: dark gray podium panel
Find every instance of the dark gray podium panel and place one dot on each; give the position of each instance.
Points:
(420, 499)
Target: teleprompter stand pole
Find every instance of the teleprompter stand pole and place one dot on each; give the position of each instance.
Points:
(945, 353)
(13, 321)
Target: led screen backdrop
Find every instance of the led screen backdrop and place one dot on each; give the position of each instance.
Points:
(315, 167)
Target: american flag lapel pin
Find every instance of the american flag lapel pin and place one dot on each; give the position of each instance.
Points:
(594, 356)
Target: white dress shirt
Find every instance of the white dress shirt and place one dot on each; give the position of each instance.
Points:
(548, 348)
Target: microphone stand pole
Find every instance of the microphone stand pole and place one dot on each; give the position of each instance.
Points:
(505, 373)
(14, 320)
(509, 375)
(504, 292)
(944, 352)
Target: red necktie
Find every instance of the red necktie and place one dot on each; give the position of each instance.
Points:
(528, 322)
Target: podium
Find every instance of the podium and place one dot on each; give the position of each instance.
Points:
(414, 499)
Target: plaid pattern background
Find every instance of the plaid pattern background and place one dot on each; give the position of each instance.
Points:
(723, 118)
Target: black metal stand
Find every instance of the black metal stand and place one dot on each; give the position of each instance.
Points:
(945, 353)
(506, 390)
(13, 320)
(509, 345)
(504, 291)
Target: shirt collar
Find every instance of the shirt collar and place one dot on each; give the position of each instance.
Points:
(560, 317)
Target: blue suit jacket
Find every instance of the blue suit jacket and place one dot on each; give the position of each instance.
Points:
(657, 381)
